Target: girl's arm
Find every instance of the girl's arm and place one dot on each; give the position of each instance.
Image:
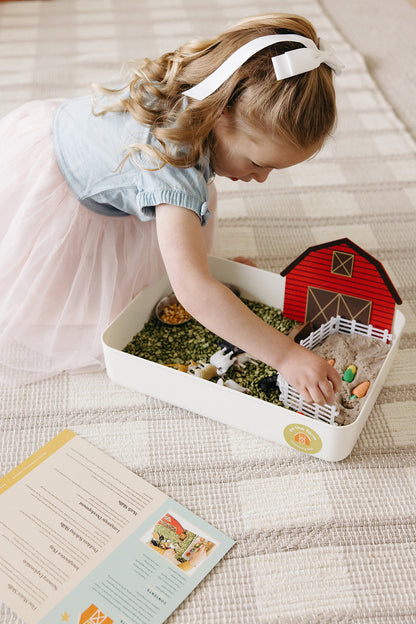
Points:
(219, 310)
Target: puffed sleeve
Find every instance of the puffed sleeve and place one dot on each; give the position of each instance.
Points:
(171, 185)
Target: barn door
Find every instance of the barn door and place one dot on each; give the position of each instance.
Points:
(322, 304)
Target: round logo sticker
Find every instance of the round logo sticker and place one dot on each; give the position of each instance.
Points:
(302, 438)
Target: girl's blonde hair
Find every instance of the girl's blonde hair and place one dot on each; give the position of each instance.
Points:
(300, 109)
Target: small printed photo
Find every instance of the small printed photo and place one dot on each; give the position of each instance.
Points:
(179, 542)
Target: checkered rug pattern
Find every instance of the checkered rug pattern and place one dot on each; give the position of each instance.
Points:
(315, 541)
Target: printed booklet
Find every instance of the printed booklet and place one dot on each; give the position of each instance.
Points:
(84, 540)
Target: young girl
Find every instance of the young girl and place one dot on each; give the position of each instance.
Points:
(95, 201)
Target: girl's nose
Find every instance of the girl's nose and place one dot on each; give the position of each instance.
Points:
(262, 175)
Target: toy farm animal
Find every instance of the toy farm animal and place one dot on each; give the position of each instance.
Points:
(222, 361)
(242, 359)
(229, 383)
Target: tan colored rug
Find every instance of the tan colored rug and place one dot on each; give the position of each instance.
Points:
(316, 542)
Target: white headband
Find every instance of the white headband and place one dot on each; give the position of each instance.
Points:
(285, 65)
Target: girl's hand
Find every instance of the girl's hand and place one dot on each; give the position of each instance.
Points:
(169, 554)
(244, 260)
(217, 308)
(198, 557)
(312, 376)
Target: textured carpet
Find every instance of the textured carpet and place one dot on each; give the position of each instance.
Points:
(384, 33)
(316, 542)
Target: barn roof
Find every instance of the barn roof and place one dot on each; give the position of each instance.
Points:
(359, 250)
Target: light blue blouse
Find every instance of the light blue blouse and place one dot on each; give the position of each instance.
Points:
(89, 149)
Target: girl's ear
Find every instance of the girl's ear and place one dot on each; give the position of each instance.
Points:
(227, 117)
(223, 120)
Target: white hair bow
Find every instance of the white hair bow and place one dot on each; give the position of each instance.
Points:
(286, 65)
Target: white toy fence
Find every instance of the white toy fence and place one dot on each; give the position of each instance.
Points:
(335, 325)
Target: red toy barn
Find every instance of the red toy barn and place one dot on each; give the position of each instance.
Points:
(339, 278)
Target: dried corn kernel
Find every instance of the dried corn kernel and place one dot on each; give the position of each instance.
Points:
(175, 314)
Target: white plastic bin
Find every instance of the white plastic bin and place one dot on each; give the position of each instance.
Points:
(223, 404)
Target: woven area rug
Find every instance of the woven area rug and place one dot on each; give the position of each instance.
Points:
(315, 541)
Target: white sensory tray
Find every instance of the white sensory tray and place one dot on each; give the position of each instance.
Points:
(281, 425)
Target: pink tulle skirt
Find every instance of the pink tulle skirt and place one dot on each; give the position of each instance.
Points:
(66, 272)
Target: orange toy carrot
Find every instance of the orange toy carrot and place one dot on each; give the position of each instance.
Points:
(360, 391)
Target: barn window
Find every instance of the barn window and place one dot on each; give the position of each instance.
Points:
(342, 263)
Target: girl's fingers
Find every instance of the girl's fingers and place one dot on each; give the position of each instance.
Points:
(244, 260)
(328, 391)
(310, 395)
(335, 379)
(321, 393)
(317, 395)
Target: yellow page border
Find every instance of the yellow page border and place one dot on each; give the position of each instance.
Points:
(34, 460)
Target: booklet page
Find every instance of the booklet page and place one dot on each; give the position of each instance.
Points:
(85, 540)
